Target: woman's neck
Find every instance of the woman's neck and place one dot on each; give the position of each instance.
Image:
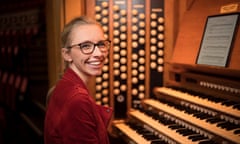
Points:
(85, 78)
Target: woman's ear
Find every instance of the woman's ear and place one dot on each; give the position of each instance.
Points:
(65, 54)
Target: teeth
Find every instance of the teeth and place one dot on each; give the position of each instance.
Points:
(95, 63)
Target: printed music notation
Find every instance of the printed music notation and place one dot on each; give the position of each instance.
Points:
(217, 39)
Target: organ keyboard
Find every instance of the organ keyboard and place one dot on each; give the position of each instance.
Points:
(202, 124)
(176, 116)
(198, 101)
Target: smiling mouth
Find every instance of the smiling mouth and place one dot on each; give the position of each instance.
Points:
(95, 63)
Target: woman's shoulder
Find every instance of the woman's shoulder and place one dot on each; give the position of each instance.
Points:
(80, 101)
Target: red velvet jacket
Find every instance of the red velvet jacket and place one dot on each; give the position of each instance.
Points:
(72, 116)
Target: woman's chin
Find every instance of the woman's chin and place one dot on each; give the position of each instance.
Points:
(96, 72)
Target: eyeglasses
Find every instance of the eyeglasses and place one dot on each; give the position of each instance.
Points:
(89, 47)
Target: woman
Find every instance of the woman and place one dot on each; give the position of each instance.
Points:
(72, 116)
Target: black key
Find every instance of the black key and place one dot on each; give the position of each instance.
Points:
(158, 142)
(190, 111)
(228, 125)
(214, 120)
(202, 115)
(150, 136)
(237, 106)
(229, 103)
(217, 100)
(232, 126)
(237, 131)
(175, 127)
(207, 142)
(197, 137)
(143, 131)
(186, 132)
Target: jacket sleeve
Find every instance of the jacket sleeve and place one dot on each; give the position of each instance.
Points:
(106, 114)
(78, 125)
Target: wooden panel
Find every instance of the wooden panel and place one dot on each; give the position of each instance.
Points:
(74, 8)
(174, 10)
(53, 16)
(192, 28)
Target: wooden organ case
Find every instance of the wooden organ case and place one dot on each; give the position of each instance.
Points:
(197, 103)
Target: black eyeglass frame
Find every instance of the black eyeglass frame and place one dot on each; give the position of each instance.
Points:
(94, 46)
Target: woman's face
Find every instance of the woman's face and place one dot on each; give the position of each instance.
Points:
(86, 65)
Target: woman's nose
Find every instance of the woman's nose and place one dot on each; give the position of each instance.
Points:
(97, 51)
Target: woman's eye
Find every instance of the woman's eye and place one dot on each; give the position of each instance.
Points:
(86, 46)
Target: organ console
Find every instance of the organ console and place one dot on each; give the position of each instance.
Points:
(195, 103)
(198, 103)
(181, 115)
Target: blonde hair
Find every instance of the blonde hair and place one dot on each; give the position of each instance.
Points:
(68, 28)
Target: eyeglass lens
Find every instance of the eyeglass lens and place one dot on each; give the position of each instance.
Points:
(89, 47)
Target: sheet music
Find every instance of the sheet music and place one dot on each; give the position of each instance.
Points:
(217, 40)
